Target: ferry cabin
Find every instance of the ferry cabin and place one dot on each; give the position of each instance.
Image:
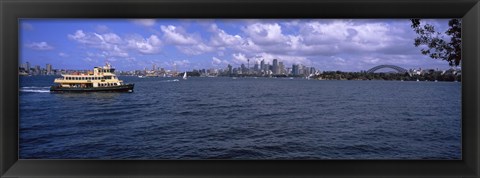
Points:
(100, 77)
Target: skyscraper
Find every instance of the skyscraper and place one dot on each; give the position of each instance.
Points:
(230, 69)
(243, 69)
(281, 68)
(295, 69)
(28, 68)
(275, 66)
(49, 69)
(262, 65)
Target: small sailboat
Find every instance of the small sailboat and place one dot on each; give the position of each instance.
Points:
(185, 76)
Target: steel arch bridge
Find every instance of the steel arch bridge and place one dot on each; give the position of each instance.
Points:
(398, 69)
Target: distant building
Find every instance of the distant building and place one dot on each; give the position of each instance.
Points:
(295, 69)
(28, 68)
(38, 71)
(243, 69)
(275, 66)
(230, 71)
(49, 69)
(262, 65)
(281, 68)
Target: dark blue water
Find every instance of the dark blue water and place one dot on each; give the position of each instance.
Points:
(246, 118)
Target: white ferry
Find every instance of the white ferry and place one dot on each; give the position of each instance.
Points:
(101, 79)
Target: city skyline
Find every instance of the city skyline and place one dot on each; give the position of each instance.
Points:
(326, 44)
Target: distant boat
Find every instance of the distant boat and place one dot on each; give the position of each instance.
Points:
(418, 80)
(234, 78)
(185, 76)
(141, 76)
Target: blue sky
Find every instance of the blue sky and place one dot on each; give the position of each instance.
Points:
(129, 44)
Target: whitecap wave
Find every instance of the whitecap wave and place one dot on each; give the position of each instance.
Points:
(36, 91)
(33, 87)
(175, 80)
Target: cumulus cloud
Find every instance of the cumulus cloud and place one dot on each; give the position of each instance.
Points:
(217, 61)
(265, 33)
(340, 43)
(42, 46)
(239, 58)
(112, 45)
(150, 45)
(190, 44)
(178, 36)
(221, 38)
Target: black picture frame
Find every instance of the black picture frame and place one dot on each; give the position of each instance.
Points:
(11, 11)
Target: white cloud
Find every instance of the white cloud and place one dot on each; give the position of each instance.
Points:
(190, 44)
(265, 33)
(42, 46)
(195, 49)
(112, 45)
(144, 22)
(178, 36)
(150, 45)
(216, 61)
(239, 58)
(221, 38)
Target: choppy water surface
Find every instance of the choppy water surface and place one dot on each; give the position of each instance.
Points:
(244, 118)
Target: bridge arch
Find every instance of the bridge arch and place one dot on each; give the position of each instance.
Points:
(398, 69)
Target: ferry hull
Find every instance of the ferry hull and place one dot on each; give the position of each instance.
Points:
(122, 88)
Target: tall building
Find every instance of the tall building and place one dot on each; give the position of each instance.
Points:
(275, 66)
(28, 68)
(281, 68)
(295, 69)
(49, 69)
(37, 70)
(243, 69)
(255, 67)
(262, 65)
(230, 69)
